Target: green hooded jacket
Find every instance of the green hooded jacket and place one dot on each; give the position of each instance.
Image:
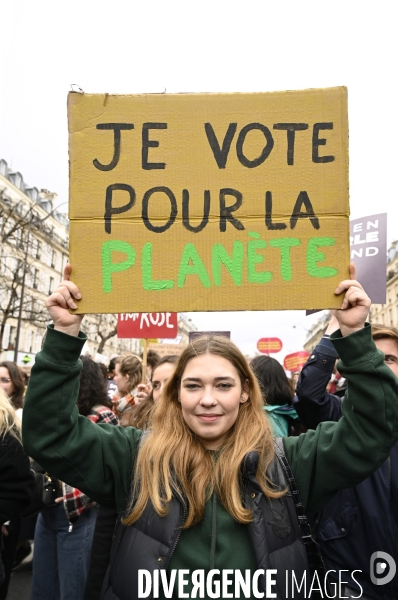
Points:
(98, 459)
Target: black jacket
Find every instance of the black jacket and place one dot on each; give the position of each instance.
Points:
(361, 520)
(16, 478)
(150, 542)
(16, 489)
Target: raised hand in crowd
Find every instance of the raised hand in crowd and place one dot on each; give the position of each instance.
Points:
(355, 307)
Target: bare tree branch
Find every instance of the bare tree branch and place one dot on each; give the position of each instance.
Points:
(104, 330)
(15, 221)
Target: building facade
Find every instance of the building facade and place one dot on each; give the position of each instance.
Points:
(387, 314)
(34, 247)
(315, 332)
(33, 253)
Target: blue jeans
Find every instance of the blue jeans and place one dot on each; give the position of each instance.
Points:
(61, 558)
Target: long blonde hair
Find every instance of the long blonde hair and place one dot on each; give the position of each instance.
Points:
(172, 459)
(9, 421)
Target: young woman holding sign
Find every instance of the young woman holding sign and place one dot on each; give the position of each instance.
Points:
(205, 494)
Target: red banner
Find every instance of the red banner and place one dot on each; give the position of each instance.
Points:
(269, 345)
(296, 361)
(147, 325)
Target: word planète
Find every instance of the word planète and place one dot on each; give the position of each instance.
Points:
(244, 261)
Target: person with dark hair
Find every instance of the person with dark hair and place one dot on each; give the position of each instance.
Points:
(64, 532)
(104, 370)
(92, 392)
(208, 487)
(277, 393)
(111, 367)
(152, 360)
(111, 386)
(13, 383)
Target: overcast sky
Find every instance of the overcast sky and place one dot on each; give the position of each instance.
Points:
(207, 46)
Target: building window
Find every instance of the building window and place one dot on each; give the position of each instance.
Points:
(37, 249)
(12, 339)
(6, 336)
(35, 282)
(51, 288)
(28, 341)
(45, 254)
(37, 343)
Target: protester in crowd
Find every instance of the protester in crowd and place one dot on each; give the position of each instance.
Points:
(294, 379)
(161, 374)
(364, 519)
(110, 384)
(12, 382)
(111, 368)
(207, 491)
(337, 384)
(128, 375)
(140, 417)
(64, 532)
(152, 360)
(143, 389)
(25, 374)
(104, 371)
(277, 395)
(16, 487)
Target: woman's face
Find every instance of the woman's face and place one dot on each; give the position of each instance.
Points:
(122, 381)
(210, 395)
(160, 376)
(5, 382)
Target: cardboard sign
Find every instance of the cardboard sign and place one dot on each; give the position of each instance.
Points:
(368, 239)
(177, 340)
(147, 325)
(296, 361)
(269, 345)
(167, 349)
(209, 201)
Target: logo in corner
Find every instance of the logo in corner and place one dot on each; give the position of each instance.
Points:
(382, 568)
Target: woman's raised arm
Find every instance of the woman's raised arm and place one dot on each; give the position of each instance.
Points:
(342, 454)
(96, 459)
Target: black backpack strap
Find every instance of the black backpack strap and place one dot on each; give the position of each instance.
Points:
(315, 560)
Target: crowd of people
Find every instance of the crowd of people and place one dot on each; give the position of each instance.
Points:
(64, 565)
(205, 464)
